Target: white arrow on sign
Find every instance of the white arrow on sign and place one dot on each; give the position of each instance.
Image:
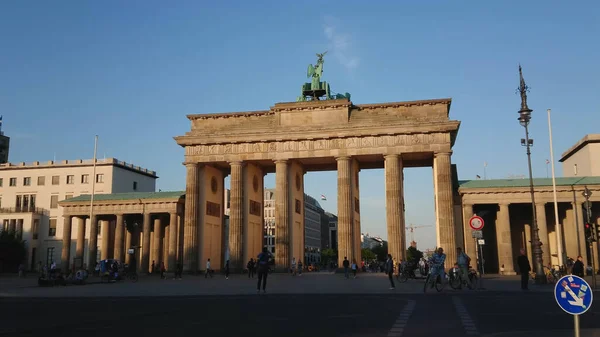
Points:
(576, 300)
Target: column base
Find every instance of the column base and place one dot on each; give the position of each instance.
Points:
(508, 273)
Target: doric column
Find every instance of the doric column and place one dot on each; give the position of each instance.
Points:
(445, 204)
(393, 204)
(542, 223)
(236, 219)
(190, 239)
(469, 248)
(79, 249)
(66, 244)
(344, 209)
(105, 228)
(146, 242)
(172, 242)
(157, 249)
(282, 215)
(128, 245)
(93, 244)
(119, 250)
(504, 240)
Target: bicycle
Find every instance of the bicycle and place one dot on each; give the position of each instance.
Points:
(456, 281)
(439, 282)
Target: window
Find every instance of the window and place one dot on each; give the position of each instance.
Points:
(35, 229)
(68, 196)
(135, 185)
(49, 256)
(41, 181)
(55, 180)
(18, 202)
(52, 228)
(574, 169)
(85, 178)
(12, 182)
(27, 181)
(54, 201)
(99, 178)
(70, 180)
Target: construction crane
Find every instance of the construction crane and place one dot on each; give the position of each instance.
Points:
(412, 228)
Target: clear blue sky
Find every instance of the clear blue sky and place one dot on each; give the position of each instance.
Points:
(130, 72)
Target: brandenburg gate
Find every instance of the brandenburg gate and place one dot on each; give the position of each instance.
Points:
(291, 139)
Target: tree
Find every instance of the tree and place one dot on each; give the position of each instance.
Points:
(328, 255)
(413, 254)
(368, 254)
(12, 251)
(381, 251)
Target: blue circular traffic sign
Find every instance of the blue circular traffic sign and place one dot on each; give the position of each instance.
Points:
(573, 295)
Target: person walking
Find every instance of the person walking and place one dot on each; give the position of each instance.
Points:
(163, 269)
(524, 269)
(250, 267)
(578, 268)
(346, 264)
(208, 271)
(263, 270)
(227, 270)
(354, 268)
(389, 268)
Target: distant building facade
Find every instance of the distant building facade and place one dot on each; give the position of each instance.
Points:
(370, 242)
(583, 158)
(332, 222)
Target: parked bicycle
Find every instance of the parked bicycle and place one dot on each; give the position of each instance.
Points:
(456, 280)
(438, 281)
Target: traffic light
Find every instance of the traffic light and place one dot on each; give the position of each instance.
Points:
(597, 234)
(589, 232)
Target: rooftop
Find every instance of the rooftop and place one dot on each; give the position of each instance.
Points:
(128, 196)
(77, 163)
(507, 183)
(591, 138)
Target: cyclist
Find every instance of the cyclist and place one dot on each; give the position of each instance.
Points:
(437, 266)
(463, 266)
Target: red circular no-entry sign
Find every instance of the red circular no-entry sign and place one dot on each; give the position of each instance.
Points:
(476, 223)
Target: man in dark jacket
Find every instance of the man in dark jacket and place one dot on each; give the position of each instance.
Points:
(346, 265)
(578, 268)
(389, 269)
(524, 269)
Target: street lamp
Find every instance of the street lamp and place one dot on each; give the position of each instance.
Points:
(524, 119)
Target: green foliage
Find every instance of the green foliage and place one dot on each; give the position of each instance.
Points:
(368, 254)
(413, 254)
(381, 252)
(328, 255)
(12, 251)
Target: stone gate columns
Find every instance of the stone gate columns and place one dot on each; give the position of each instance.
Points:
(171, 265)
(469, 248)
(93, 243)
(105, 228)
(79, 249)
(394, 205)
(253, 222)
(157, 248)
(442, 169)
(119, 250)
(504, 241)
(282, 215)
(540, 211)
(345, 223)
(236, 219)
(146, 243)
(66, 244)
(190, 238)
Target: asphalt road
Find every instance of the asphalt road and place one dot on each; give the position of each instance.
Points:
(444, 314)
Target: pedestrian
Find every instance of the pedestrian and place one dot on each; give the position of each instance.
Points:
(163, 269)
(299, 267)
(152, 267)
(250, 267)
(263, 270)
(227, 270)
(293, 268)
(524, 269)
(208, 271)
(354, 268)
(346, 264)
(577, 269)
(389, 268)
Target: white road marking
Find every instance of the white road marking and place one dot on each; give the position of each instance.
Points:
(465, 318)
(398, 327)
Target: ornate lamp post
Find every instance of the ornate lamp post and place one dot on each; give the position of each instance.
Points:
(524, 118)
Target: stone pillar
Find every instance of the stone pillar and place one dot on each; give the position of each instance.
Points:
(66, 244)
(171, 265)
(236, 217)
(128, 245)
(180, 234)
(580, 230)
(165, 245)
(93, 244)
(190, 239)
(157, 248)
(105, 228)
(393, 205)
(504, 241)
(470, 247)
(119, 251)
(79, 249)
(146, 242)
(528, 250)
(282, 216)
(445, 205)
(540, 210)
(345, 209)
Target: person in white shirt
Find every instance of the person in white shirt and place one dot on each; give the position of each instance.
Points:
(208, 271)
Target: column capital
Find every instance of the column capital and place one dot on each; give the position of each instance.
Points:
(342, 158)
(391, 156)
(281, 161)
(442, 153)
(468, 204)
(236, 162)
(540, 203)
(503, 204)
(190, 164)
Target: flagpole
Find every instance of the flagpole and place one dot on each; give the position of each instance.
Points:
(556, 223)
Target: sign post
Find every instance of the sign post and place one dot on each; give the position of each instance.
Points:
(476, 223)
(574, 296)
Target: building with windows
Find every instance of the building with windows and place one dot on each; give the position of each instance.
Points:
(313, 213)
(332, 221)
(583, 158)
(30, 193)
(269, 212)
